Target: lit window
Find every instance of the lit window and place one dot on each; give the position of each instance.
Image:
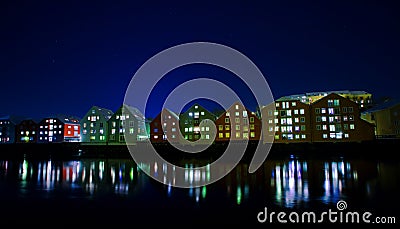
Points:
(237, 127)
(196, 107)
(112, 131)
(227, 135)
(323, 118)
(207, 136)
(207, 128)
(277, 120)
(245, 135)
(324, 136)
(297, 128)
(346, 135)
(324, 127)
(227, 127)
(173, 129)
(202, 113)
(297, 136)
(276, 137)
(84, 131)
(220, 127)
(352, 127)
(270, 121)
(155, 136)
(227, 113)
(331, 127)
(303, 136)
(237, 113)
(301, 111)
(336, 102)
(276, 113)
(244, 113)
(226, 120)
(251, 119)
(252, 134)
(130, 130)
(237, 107)
(190, 129)
(289, 113)
(296, 112)
(293, 104)
(332, 135)
(271, 129)
(330, 103)
(296, 120)
(331, 119)
(351, 118)
(323, 110)
(221, 135)
(251, 126)
(190, 114)
(276, 104)
(289, 121)
(237, 134)
(276, 128)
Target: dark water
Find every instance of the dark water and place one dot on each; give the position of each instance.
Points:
(117, 191)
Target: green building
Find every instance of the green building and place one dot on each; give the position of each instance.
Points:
(95, 125)
(189, 123)
(127, 122)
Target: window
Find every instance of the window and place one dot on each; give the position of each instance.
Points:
(237, 135)
(303, 136)
(226, 120)
(276, 113)
(251, 119)
(293, 104)
(276, 121)
(330, 103)
(276, 128)
(331, 127)
(251, 126)
(301, 111)
(352, 127)
(276, 104)
(289, 113)
(303, 127)
(237, 120)
(331, 111)
(296, 120)
(271, 129)
(221, 135)
(323, 110)
(245, 135)
(244, 113)
(252, 134)
(270, 121)
(276, 137)
(344, 109)
(336, 102)
(324, 136)
(227, 127)
(296, 112)
(227, 135)
(346, 135)
(283, 113)
(351, 118)
(237, 107)
(227, 114)
(297, 136)
(190, 114)
(318, 127)
(345, 118)
(350, 109)
(283, 129)
(269, 113)
(332, 135)
(131, 124)
(283, 121)
(331, 119)
(173, 129)
(84, 125)
(237, 127)
(345, 126)
(237, 113)
(323, 118)
(202, 113)
(289, 121)
(302, 119)
(297, 128)
(317, 111)
(220, 127)
(318, 119)
(324, 127)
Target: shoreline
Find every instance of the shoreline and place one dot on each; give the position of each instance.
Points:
(372, 149)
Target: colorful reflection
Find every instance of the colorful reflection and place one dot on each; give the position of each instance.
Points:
(288, 183)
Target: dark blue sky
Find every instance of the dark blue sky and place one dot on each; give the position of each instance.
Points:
(65, 57)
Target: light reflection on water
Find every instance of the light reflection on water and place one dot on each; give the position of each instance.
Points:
(287, 183)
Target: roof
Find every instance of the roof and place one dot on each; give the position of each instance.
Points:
(384, 105)
(13, 118)
(135, 112)
(304, 96)
(106, 113)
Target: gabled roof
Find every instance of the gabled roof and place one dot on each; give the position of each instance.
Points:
(172, 113)
(13, 118)
(383, 106)
(106, 113)
(135, 112)
(65, 118)
(196, 104)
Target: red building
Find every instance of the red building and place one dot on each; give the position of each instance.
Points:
(238, 123)
(161, 130)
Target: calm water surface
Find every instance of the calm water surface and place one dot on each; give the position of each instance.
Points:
(113, 190)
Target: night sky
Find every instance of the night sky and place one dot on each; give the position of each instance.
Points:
(65, 57)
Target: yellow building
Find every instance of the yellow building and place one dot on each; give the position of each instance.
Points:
(386, 118)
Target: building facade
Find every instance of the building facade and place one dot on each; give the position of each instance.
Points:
(126, 126)
(335, 118)
(60, 128)
(386, 118)
(162, 130)
(189, 123)
(287, 121)
(95, 125)
(8, 128)
(26, 131)
(238, 123)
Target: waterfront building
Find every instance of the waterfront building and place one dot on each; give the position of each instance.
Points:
(95, 125)
(59, 128)
(26, 131)
(189, 123)
(238, 123)
(336, 118)
(287, 121)
(7, 128)
(162, 130)
(127, 125)
(386, 118)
